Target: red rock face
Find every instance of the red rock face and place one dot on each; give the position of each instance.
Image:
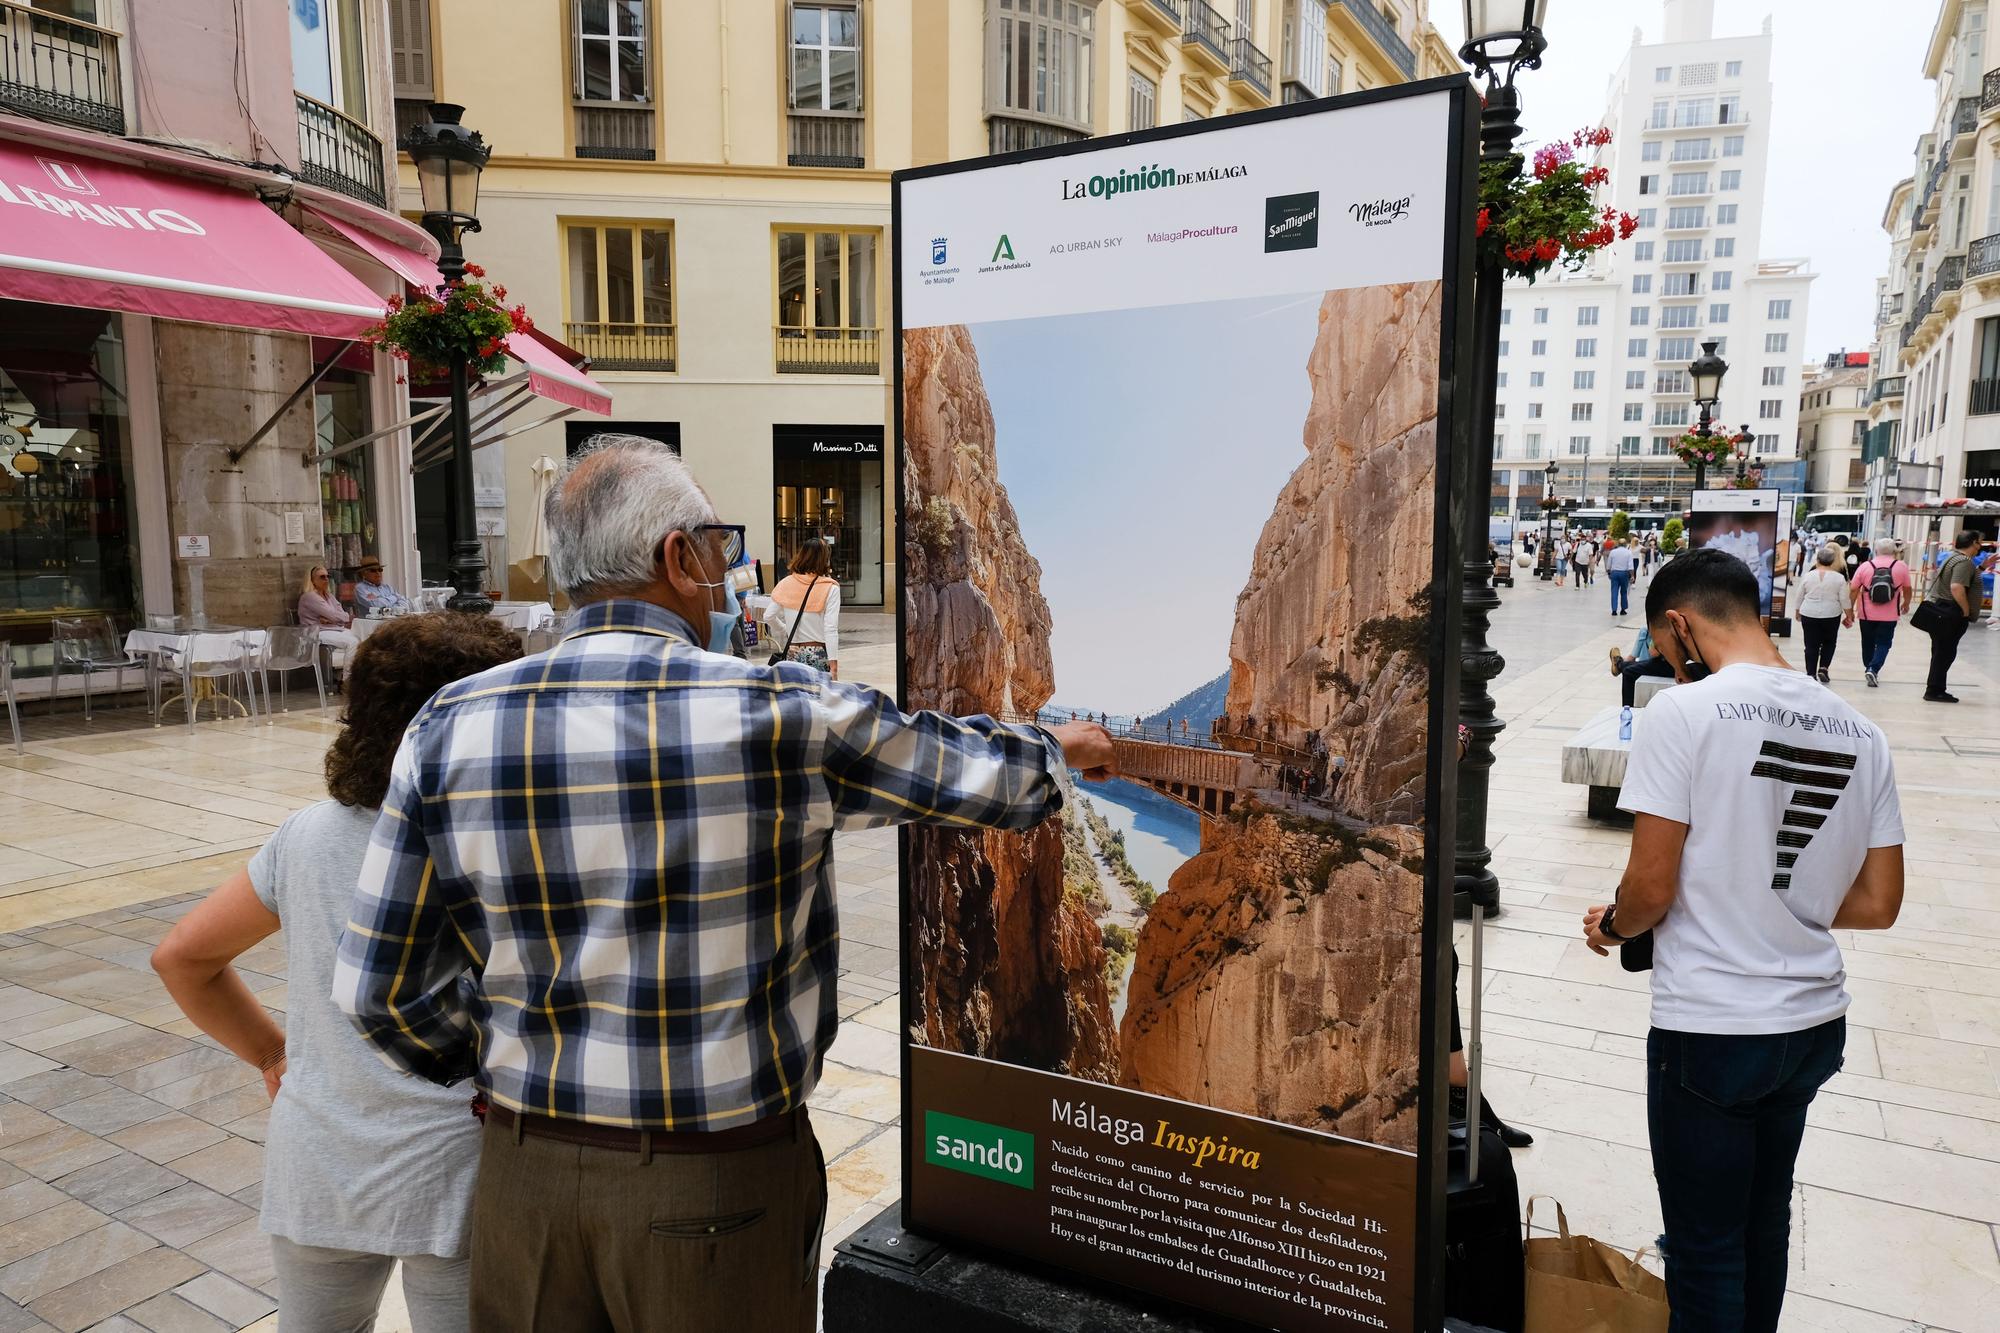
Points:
(1280, 974)
(1006, 965)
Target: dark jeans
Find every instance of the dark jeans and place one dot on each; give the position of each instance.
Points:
(1725, 1115)
(1944, 651)
(1621, 590)
(1821, 633)
(1629, 674)
(1876, 636)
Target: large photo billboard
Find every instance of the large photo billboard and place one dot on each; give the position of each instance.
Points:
(1745, 524)
(1175, 414)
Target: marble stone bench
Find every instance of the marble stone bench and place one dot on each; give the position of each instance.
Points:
(1595, 758)
(1648, 686)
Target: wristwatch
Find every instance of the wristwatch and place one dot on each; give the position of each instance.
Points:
(1604, 926)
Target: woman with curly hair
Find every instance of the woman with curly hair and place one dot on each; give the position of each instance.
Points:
(363, 1166)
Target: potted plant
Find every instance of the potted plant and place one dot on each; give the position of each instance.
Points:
(466, 318)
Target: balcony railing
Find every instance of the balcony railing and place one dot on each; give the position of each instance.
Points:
(1010, 134)
(826, 140)
(61, 69)
(827, 351)
(624, 346)
(337, 152)
(1203, 28)
(1965, 117)
(1249, 65)
(613, 131)
(1377, 27)
(1950, 273)
(1889, 386)
(1985, 398)
(1982, 257)
(410, 113)
(1989, 90)
(1167, 13)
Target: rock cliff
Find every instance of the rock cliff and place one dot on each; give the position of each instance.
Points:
(1007, 965)
(1279, 975)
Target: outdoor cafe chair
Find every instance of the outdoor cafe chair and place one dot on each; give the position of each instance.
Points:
(88, 644)
(7, 689)
(222, 656)
(289, 648)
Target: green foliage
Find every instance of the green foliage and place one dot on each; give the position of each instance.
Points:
(933, 527)
(470, 320)
(1670, 536)
(1621, 526)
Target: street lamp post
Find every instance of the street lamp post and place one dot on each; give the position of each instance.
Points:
(1502, 38)
(1548, 561)
(449, 158)
(1707, 371)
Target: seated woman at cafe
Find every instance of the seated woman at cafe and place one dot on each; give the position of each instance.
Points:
(319, 608)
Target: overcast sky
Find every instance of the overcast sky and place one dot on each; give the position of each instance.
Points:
(1848, 101)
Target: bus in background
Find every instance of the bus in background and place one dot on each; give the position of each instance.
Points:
(1826, 524)
(1597, 520)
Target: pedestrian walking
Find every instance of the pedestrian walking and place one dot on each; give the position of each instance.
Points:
(1582, 556)
(636, 967)
(363, 1168)
(1881, 588)
(1955, 604)
(1825, 600)
(1619, 563)
(1749, 1002)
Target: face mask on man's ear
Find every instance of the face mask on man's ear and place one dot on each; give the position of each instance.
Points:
(721, 624)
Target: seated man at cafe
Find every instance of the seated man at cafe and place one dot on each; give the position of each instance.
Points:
(371, 595)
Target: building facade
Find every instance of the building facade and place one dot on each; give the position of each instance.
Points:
(164, 435)
(1833, 429)
(697, 198)
(1935, 430)
(1593, 366)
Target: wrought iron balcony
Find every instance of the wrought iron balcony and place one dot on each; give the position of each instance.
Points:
(1205, 30)
(1981, 257)
(1950, 273)
(614, 131)
(826, 140)
(1889, 386)
(827, 351)
(337, 152)
(1989, 90)
(1371, 21)
(58, 68)
(1248, 65)
(1965, 116)
(1985, 398)
(1164, 14)
(624, 346)
(1011, 134)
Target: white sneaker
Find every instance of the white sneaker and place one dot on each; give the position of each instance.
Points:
(1872, 682)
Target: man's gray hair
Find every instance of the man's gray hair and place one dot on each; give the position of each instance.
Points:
(608, 510)
(1885, 548)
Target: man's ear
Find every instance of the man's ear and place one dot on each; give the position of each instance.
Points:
(675, 557)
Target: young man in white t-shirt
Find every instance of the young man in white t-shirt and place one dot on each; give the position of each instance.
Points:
(1764, 818)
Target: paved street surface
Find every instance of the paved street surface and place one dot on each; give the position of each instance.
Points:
(129, 1147)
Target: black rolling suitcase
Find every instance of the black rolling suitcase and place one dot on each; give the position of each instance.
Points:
(1484, 1263)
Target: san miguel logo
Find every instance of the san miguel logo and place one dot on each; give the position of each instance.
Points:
(1380, 212)
(1291, 222)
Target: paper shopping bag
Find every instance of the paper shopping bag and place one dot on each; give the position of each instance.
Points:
(1579, 1285)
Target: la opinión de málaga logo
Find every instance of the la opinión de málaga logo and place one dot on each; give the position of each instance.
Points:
(1150, 177)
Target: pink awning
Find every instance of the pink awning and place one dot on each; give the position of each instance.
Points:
(82, 231)
(549, 375)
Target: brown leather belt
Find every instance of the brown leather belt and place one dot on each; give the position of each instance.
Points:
(786, 1124)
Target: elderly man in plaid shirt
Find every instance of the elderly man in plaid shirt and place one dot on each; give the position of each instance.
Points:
(601, 887)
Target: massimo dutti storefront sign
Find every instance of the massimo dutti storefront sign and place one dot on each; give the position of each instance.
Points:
(862, 443)
(1096, 1077)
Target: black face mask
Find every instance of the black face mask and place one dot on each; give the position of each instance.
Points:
(1693, 667)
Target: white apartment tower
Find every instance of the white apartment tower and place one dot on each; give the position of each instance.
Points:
(1593, 365)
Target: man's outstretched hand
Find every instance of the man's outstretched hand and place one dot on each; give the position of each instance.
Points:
(1087, 747)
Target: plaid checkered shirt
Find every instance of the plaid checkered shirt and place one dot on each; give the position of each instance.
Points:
(602, 879)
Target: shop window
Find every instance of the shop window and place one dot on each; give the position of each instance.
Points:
(828, 485)
(620, 294)
(826, 291)
(346, 483)
(68, 526)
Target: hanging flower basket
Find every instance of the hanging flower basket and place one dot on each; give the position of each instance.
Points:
(1707, 450)
(1530, 223)
(1549, 502)
(469, 319)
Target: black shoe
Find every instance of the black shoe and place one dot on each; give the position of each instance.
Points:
(1940, 698)
(1512, 1137)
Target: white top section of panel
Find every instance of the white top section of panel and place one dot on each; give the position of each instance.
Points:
(1318, 202)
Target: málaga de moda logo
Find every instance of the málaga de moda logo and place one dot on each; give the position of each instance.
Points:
(1380, 212)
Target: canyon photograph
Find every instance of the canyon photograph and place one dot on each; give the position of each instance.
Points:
(1221, 549)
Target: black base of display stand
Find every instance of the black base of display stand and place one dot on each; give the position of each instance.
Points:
(885, 1280)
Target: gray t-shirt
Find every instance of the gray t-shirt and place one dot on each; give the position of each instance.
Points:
(359, 1156)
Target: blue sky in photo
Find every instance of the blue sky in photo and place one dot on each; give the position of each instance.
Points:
(1144, 451)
